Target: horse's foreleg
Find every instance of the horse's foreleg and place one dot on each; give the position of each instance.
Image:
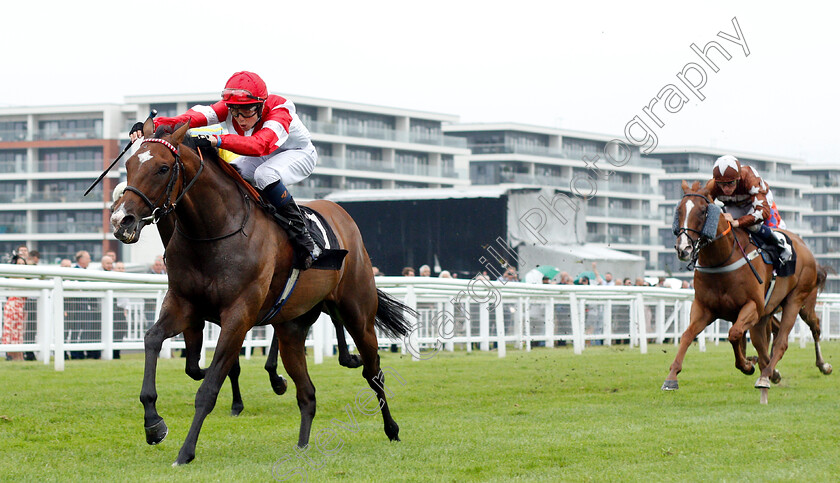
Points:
(226, 355)
(193, 341)
(173, 320)
(747, 319)
(700, 319)
(760, 336)
(278, 383)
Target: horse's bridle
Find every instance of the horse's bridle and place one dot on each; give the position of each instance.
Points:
(702, 240)
(168, 206)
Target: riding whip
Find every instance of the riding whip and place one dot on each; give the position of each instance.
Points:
(127, 147)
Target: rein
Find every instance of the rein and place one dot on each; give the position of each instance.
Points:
(158, 212)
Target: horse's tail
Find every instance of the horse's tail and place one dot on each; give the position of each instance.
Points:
(392, 316)
(822, 275)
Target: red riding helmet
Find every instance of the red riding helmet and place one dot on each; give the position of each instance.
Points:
(244, 88)
(727, 169)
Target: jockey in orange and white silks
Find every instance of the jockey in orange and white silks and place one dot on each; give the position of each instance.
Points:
(748, 200)
(274, 146)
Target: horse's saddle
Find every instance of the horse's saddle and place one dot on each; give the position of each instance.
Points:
(323, 235)
(771, 254)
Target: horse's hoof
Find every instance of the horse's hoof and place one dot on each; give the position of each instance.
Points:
(762, 383)
(236, 409)
(392, 431)
(279, 385)
(826, 368)
(353, 361)
(183, 461)
(156, 433)
(776, 377)
(669, 385)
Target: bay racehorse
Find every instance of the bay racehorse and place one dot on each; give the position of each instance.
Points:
(228, 261)
(725, 287)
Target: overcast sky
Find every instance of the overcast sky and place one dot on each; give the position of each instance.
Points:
(584, 65)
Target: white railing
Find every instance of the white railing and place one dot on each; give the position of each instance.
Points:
(73, 311)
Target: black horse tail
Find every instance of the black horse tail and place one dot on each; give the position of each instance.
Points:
(392, 316)
(822, 275)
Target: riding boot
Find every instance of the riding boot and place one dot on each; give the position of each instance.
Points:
(292, 221)
(771, 237)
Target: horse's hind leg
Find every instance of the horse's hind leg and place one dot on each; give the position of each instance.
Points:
(809, 315)
(361, 327)
(278, 382)
(345, 358)
(292, 351)
(236, 407)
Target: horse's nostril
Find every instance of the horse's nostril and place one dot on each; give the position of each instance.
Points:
(127, 220)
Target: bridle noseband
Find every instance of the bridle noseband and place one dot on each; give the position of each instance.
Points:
(168, 206)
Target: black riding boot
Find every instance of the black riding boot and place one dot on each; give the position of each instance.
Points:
(770, 237)
(293, 223)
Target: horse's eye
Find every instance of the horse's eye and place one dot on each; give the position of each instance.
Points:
(163, 169)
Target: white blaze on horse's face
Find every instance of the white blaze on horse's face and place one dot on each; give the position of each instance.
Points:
(683, 242)
(144, 156)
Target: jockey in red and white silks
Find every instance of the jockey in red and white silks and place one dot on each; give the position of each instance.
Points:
(277, 148)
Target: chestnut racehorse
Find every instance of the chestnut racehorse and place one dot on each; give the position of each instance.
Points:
(228, 260)
(726, 288)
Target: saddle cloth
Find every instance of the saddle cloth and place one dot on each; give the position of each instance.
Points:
(771, 256)
(323, 235)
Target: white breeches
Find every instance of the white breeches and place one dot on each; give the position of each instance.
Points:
(288, 167)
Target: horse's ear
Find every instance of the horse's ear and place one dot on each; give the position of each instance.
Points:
(179, 134)
(149, 128)
(695, 186)
(685, 186)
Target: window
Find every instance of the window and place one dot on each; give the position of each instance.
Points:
(70, 159)
(70, 129)
(12, 160)
(166, 109)
(13, 131)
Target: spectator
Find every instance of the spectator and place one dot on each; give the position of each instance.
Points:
(159, 266)
(107, 263)
(65, 262)
(640, 282)
(82, 259)
(119, 267)
(14, 316)
(408, 272)
(546, 280)
(566, 279)
(510, 275)
(607, 280)
(482, 276)
(376, 272)
(112, 254)
(628, 282)
(22, 252)
(425, 271)
(685, 284)
(445, 274)
(583, 280)
(661, 282)
(34, 257)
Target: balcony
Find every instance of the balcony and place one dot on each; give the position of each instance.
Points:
(17, 166)
(64, 165)
(362, 131)
(786, 202)
(622, 239)
(64, 134)
(771, 176)
(391, 167)
(12, 136)
(627, 213)
(510, 148)
(14, 227)
(523, 178)
(68, 226)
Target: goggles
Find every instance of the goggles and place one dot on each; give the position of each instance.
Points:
(247, 111)
(727, 183)
(237, 94)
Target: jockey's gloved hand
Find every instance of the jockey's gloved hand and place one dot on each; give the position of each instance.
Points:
(136, 128)
(205, 141)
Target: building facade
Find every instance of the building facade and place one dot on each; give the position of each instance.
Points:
(50, 155)
(824, 238)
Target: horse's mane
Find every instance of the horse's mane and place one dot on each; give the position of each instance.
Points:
(212, 154)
